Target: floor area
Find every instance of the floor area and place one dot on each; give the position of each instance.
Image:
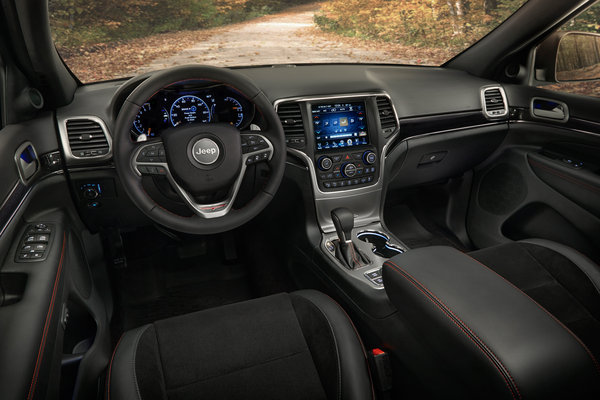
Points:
(167, 276)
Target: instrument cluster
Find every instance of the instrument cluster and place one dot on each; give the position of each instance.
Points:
(191, 102)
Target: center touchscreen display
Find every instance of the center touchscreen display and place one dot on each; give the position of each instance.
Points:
(339, 125)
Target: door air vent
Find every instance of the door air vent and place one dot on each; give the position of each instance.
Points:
(87, 137)
(494, 102)
(290, 115)
(387, 117)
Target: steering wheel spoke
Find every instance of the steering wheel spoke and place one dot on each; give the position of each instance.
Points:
(150, 159)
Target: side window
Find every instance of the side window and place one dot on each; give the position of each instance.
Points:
(577, 68)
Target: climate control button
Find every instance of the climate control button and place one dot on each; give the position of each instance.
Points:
(349, 170)
(325, 163)
(369, 157)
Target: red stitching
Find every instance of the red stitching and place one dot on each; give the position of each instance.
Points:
(110, 368)
(547, 312)
(38, 361)
(447, 310)
(571, 179)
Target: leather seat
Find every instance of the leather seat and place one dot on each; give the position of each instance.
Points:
(294, 346)
(514, 321)
(560, 279)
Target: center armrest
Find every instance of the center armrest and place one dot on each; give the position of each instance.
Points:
(488, 334)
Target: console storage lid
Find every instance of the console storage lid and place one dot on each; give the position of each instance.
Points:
(486, 335)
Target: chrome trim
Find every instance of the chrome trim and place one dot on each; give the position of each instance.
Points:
(462, 128)
(207, 211)
(64, 138)
(25, 196)
(562, 103)
(375, 261)
(20, 150)
(559, 127)
(483, 105)
(319, 194)
(7, 198)
(16, 210)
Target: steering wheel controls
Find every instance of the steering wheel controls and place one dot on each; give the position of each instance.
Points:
(152, 153)
(346, 170)
(253, 143)
(252, 146)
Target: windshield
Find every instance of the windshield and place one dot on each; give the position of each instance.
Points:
(107, 39)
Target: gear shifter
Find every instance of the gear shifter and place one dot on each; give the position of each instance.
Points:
(343, 220)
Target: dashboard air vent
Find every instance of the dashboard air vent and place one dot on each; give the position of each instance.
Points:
(87, 138)
(290, 115)
(494, 102)
(386, 115)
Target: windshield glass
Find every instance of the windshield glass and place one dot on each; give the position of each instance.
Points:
(107, 39)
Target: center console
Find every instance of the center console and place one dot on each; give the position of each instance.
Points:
(343, 140)
(344, 155)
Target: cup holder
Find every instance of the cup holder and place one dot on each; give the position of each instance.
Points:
(381, 243)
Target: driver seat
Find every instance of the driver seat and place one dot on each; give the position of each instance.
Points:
(300, 345)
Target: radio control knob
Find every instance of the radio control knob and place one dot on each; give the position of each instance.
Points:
(369, 157)
(325, 163)
(349, 170)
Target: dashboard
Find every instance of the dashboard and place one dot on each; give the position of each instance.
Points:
(414, 130)
(191, 102)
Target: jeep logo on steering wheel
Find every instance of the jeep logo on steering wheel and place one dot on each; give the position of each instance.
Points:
(206, 151)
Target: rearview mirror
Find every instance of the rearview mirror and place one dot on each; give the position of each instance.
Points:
(568, 56)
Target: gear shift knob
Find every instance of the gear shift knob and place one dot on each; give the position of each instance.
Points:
(343, 220)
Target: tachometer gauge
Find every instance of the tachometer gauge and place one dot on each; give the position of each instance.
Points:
(234, 110)
(142, 121)
(188, 109)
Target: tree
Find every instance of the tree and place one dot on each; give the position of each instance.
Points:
(489, 6)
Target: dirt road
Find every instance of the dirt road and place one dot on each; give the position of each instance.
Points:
(289, 37)
(285, 38)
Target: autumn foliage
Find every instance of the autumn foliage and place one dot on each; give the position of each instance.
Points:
(434, 23)
(78, 25)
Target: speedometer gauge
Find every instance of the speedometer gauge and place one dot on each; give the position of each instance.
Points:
(188, 109)
(234, 111)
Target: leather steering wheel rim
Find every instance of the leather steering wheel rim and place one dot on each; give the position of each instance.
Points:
(124, 148)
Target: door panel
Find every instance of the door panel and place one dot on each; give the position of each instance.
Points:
(43, 273)
(543, 182)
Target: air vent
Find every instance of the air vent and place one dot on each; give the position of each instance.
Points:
(494, 102)
(387, 117)
(293, 126)
(87, 137)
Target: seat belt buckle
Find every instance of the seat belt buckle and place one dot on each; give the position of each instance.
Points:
(381, 370)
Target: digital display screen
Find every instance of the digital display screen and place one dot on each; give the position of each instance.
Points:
(339, 125)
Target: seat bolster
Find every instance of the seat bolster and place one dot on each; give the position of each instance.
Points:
(355, 375)
(587, 266)
(122, 380)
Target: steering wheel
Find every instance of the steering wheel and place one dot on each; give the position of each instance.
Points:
(199, 159)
